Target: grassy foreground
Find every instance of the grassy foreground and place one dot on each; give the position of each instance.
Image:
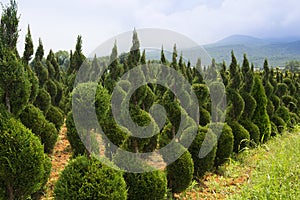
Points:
(276, 173)
(270, 171)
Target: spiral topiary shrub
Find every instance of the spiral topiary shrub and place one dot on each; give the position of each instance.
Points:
(34, 119)
(147, 185)
(85, 178)
(43, 100)
(279, 122)
(75, 140)
(261, 117)
(180, 173)
(283, 113)
(225, 142)
(55, 115)
(241, 136)
(252, 129)
(205, 162)
(24, 168)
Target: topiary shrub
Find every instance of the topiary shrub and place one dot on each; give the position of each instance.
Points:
(282, 89)
(206, 163)
(279, 122)
(283, 113)
(225, 142)
(241, 136)
(34, 119)
(85, 178)
(261, 117)
(180, 173)
(76, 143)
(43, 100)
(274, 130)
(290, 102)
(147, 185)
(252, 129)
(236, 105)
(204, 117)
(55, 115)
(24, 168)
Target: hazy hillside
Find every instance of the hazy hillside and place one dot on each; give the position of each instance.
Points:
(278, 51)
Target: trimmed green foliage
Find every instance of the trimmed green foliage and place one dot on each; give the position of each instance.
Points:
(43, 100)
(180, 173)
(147, 185)
(24, 168)
(236, 105)
(85, 178)
(203, 164)
(252, 129)
(241, 136)
(260, 117)
(283, 112)
(55, 115)
(76, 141)
(225, 142)
(279, 122)
(34, 119)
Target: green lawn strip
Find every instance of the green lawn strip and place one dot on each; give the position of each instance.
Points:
(276, 170)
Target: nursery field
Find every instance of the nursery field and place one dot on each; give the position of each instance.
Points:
(124, 126)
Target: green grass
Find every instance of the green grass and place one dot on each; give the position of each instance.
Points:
(270, 171)
(276, 170)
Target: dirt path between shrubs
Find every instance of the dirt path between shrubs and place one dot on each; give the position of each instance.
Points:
(60, 158)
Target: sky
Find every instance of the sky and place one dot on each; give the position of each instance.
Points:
(58, 22)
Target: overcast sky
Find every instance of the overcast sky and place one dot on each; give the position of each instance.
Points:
(58, 22)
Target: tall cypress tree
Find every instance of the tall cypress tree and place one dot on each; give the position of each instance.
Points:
(13, 77)
(28, 51)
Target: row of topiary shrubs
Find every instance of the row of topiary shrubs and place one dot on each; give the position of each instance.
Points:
(260, 105)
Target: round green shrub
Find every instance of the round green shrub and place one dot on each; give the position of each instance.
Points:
(34, 119)
(43, 100)
(55, 115)
(180, 173)
(85, 178)
(241, 136)
(24, 168)
(252, 129)
(225, 142)
(206, 163)
(147, 185)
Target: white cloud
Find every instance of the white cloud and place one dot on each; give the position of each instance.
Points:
(58, 22)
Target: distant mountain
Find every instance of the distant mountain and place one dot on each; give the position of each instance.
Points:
(278, 51)
(241, 39)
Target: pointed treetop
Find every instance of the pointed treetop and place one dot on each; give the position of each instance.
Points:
(162, 56)
(246, 65)
(28, 50)
(39, 54)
